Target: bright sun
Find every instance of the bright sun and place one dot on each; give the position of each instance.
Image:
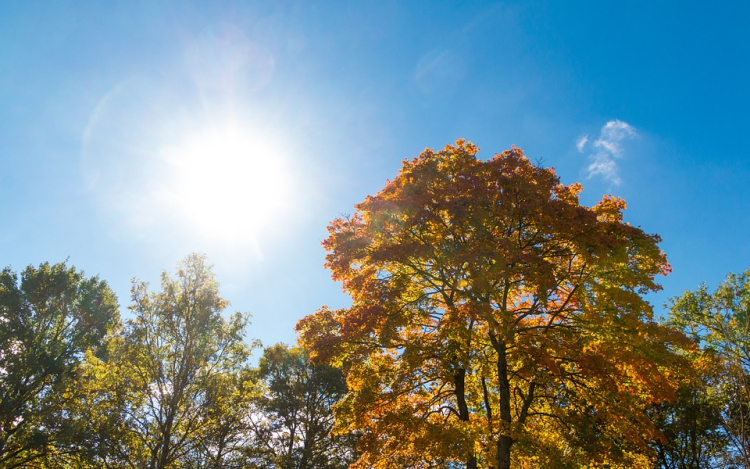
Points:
(228, 184)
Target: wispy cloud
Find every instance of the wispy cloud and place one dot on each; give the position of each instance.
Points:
(607, 149)
(581, 142)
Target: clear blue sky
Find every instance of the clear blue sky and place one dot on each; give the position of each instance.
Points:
(133, 133)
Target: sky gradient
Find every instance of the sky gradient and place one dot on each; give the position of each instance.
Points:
(133, 133)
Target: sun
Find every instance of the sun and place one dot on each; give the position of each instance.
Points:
(228, 183)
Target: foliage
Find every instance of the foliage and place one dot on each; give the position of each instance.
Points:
(295, 417)
(49, 318)
(720, 321)
(691, 427)
(492, 311)
(228, 436)
(175, 371)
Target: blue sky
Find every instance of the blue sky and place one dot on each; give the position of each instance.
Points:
(133, 133)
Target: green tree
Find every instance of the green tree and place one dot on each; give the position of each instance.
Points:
(495, 321)
(50, 318)
(295, 417)
(720, 322)
(162, 397)
(231, 399)
(691, 426)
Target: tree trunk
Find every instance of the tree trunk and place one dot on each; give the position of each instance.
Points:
(459, 380)
(503, 452)
(164, 456)
(504, 442)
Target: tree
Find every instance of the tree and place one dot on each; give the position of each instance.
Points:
(691, 428)
(720, 321)
(162, 400)
(231, 399)
(49, 318)
(295, 417)
(495, 321)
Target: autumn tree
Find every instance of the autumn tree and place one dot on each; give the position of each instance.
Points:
(173, 374)
(720, 322)
(495, 321)
(294, 416)
(50, 317)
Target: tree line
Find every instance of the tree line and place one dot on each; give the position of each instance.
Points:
(495, 322)
(169, 387)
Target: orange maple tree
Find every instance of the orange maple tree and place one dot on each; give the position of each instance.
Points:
(495, 321)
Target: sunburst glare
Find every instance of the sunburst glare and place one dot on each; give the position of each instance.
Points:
(228, 183)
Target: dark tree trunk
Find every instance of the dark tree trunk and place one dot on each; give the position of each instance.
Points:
(504, 442)
(459, 380)
(503, 452)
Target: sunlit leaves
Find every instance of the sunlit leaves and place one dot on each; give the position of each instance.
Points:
(176, 367)
(489, 308)
(49, 318)
(720, 322)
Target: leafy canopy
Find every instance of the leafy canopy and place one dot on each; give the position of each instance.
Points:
(175, 377)
(720, 322)
(50, 318)
(295, 417)
(492, 312)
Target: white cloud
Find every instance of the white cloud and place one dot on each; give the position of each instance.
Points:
(581, 142)
(608, 150)
(604, 166)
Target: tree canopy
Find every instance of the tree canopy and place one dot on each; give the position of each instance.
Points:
(494, 319)
(171, 355)
(50, 317)
(720, 322)
(295, 416)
